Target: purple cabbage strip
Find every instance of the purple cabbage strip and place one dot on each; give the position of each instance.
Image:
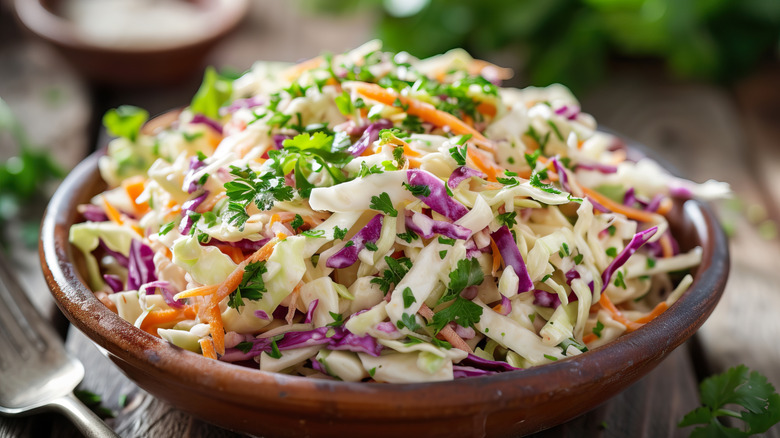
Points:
(118, 256)
(167, 293)
(140, 266)
(211, 123)
(243, 244)
(461, 174)
(317, 366)
(680, 192)
(654, 203)
(459, 372)
(629, 198)
(279, 140)
(439, 201)
(512, 257)
(543, 298)
(570, 113)
(195, 165)
(432, 227)
(598, 207)
(242, 103)
(506, 306)
(636, 242)
(563, 177)
(370, 135)
(603, 168)
(358, 344)
(188, 206)
(339, 339)
(92, 213)
(475, 361)
(310, 311)
(114, 282)
(262, 314)
(348, 255)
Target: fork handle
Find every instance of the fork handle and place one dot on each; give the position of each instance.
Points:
(87, 421)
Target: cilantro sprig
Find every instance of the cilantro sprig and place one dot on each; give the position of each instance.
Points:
(251, 287)
(736, 387)
(250, 187)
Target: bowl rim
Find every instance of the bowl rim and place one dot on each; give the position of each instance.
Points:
(47, 24)
(616, 360)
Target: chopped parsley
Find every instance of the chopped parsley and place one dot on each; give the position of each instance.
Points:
(251, 287)
(297, 222)
(408, 297)
(462, 311)
(264, 190)
(339, 233)
(408, 321)
(382, 203)
(337, 319)
(396, 270)
(619, 280)
(612, 251)
(459, 154)
(418, 190)
(467, 273)
(509, 219)
(165, 229)
(408, 236)
(598, 328)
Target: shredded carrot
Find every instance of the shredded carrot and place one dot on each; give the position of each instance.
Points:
(275, 218)
(293, 302)
(423, 110)
(157, 318)
(112, 212)
(447, 333)
(134, 187)
(607, 304)
(665, 207)
(666, 246)
(590, 337)
(234, 279)
(481, 162)
(207, 347)
(630, 212)
(298, 69)
(659, 309)
(496, 256)
(487, 109)
(197, 292)
(216, 327)
(209, 203)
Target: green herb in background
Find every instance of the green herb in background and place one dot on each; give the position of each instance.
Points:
(95, 403)
(571, 41)
(22, 177)
(736, 387)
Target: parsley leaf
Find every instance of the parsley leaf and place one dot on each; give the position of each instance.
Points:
(459, 154)
(737, 386)
(408, 236)
(536, 181)
(393, 275)
(509, 219)
(408, 297)
(344, 104)
(418, 190)
(365, 170)
(467, 273)
(337, 319)
(408, 321)
(297, 222)
(125, 121)
(214, 92)
(251, 287)
(597, 330)
(382, 203)
(167, 228)
(339, 233)
(463, 312)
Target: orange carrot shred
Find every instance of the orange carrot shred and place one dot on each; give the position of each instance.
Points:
(659, 309)
(633, 213)
(207, 346)
(590, 337)
(112, 212)
(607, 304)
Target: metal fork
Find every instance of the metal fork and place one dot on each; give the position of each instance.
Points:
(36, 373)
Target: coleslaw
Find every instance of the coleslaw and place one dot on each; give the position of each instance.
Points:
(370, 216)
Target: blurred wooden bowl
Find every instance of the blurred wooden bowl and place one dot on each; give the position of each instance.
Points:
(127, 65)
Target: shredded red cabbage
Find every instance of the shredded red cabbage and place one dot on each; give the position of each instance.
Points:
(140, 265)
(92, 213)
(118, 256)
(475, 361)
(348, 255)
(243, 244)
(629, 198)
(459, 372)
(439, 201)
(510, 253)
(543, 298)
(195, 165)
(310, 311)
(506, 306)
(165, 289)
(188, 206)
(262, 314)
(114, 282)
(598, 167)
(370, 135)
(461, 174)
(636, 242)
(427, 227)
(211, 123)
(242, 103)
(563, 177)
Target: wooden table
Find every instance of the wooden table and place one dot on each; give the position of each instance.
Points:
(730, 134)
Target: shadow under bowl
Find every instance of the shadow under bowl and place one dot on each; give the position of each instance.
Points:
(278, 405)
(127, 65)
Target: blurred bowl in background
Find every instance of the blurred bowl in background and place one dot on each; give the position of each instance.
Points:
(133, 42)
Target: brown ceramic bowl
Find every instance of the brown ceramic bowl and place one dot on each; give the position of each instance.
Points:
(278, 405)
(128, 66)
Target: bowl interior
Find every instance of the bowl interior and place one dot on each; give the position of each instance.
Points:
(502, 404)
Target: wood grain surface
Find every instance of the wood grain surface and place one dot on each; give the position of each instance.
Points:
(706, 132)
